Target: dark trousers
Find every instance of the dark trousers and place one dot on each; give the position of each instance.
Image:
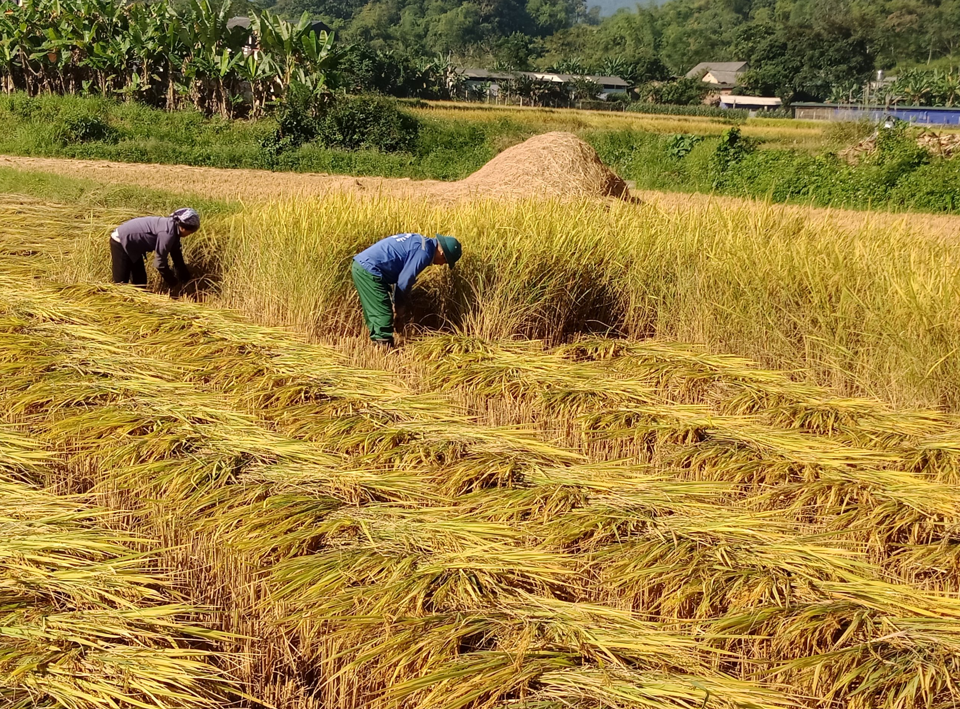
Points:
(126, 269)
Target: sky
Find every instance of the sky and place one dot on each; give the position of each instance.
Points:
(608, 7)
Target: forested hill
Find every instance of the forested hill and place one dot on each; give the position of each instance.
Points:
(804, 48)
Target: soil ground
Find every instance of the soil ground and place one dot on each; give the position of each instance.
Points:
(261, 185)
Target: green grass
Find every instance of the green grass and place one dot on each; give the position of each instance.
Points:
(794, 162)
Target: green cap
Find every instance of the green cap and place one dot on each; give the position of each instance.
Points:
(450, 247)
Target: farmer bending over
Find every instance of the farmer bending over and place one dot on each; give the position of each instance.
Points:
(132, 240)
(395, 261)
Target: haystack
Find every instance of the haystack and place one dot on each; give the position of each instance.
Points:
(549, 165)
(946, 145)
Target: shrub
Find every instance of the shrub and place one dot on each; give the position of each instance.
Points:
(297, 116)
(81, 127)
(19, 105)
(683, 92)
(371, 122)
(732, 149)
(680, 92)
(734, 115)
(934, 187)
(60, 121)
(679, 146)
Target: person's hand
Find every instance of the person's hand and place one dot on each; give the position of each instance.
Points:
(400, 318)
(187, 289)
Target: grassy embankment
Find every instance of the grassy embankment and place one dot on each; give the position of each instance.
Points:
(793, 164)
(666, 528)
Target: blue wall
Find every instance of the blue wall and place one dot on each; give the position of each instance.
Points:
(913, 114)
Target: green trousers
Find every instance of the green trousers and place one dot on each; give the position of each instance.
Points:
(375, 301)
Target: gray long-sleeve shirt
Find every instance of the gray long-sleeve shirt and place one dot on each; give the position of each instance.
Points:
(142, 235)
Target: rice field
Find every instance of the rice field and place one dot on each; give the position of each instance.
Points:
(207, 507)
(868, 305)
(783, 132)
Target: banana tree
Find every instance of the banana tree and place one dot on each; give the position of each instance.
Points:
(9, 52)
(315, 59)
(914, 87)
(256, 73)
(950, 88)
(151, 52)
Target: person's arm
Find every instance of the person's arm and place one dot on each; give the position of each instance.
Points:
(418, 260)
(176, 255)
(168, 241)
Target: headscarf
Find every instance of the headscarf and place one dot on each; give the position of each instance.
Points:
(187, 217)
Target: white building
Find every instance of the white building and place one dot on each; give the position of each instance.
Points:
(477, 79)
(723, 75)
(754, 104)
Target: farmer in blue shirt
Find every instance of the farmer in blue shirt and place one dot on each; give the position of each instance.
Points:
(395, 261)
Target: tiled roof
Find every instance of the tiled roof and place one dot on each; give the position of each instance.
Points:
(722, 72)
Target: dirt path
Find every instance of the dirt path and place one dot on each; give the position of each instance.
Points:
(261, 185)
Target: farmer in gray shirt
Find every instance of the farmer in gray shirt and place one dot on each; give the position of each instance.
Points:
(133, 240)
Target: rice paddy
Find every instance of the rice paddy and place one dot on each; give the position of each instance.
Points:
(199, 509)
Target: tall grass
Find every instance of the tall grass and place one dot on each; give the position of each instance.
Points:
(565, 522)
(870, 309)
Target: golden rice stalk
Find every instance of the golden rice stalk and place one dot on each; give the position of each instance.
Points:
(716, 562)
(624, 689)
(85, 622)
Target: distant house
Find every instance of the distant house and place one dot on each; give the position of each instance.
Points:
(723, 75)
(489, 82)
(492, 81)
(750, 103)
(608, 84)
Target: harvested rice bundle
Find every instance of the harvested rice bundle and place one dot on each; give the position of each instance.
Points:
(86, 621)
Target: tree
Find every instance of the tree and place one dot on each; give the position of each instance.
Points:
(329, 10)
(694, 31)
(631, 37)
(550, 16)
(584, 89)
(374, 23)
(515, 52)
(942, 29)
(804, 61)
(456, 29)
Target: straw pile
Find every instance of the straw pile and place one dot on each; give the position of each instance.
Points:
(554, 165)
(940, 144)
(943, 144)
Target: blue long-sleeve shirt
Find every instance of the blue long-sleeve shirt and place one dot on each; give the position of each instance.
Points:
(398, 260)
(142, 235)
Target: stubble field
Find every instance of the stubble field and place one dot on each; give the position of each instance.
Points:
(670, 454)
